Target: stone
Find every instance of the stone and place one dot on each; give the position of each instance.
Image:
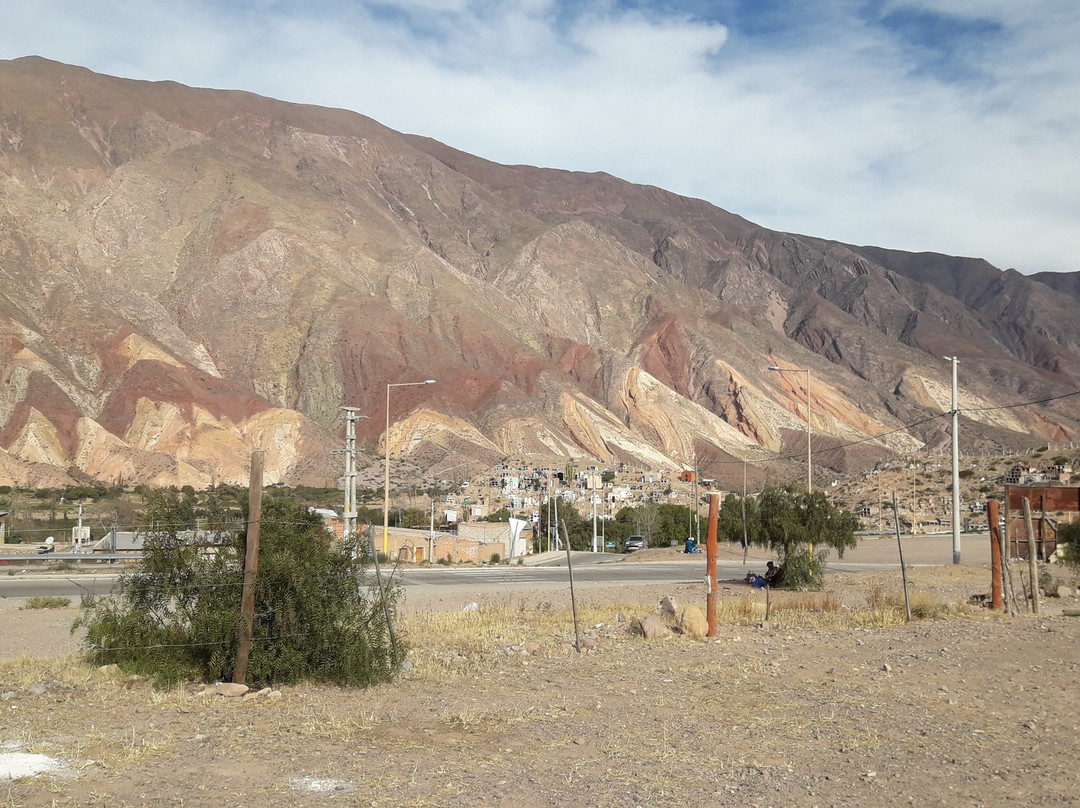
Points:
(1071, 612)
(887, 668)
(275, 695)
(37, 688)
(230, 689)
(590, 643)
(1065, 591)
(667, 608)
(650, 627)
(693, 622)
(532, 648)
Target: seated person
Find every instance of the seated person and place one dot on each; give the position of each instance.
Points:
(691, 545)
(773, 574)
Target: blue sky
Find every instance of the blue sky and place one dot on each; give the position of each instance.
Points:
(941, 125)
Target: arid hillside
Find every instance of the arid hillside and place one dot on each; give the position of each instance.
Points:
(192, 274)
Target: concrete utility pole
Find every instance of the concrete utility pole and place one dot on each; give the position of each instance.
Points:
(592, 499)
(349, 517)
(955, 466)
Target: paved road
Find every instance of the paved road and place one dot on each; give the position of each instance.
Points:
(871, 554)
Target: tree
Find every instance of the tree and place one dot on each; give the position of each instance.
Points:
(317, 616)
(1069, 535)
(578, 529)
(647, 521)
(787, 522)
(501, 515)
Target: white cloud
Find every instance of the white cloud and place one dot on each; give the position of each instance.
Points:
(838, 126)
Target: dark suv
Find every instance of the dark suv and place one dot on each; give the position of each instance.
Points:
(635, 543)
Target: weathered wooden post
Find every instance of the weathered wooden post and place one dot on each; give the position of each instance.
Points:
(710, 566)
(251, 568)
(997, 600)
(1033, 563)
(903, 569)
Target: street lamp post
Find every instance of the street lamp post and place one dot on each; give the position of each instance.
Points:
(386, 479)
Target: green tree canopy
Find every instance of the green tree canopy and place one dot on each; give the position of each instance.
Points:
(788, 521)
(317, 616)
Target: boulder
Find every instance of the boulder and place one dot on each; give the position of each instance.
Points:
(230, 689)
(650, 627)
(667, 608)
(693, 622)
(1065, 591)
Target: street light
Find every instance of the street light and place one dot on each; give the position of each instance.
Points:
(386, 482)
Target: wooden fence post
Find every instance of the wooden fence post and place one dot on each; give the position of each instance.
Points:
(251, 567)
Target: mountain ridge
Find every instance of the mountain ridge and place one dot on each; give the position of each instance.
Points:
(198, 273)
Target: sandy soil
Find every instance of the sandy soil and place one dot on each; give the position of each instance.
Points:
(973, 709)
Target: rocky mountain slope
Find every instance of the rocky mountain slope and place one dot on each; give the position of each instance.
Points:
(191, 274)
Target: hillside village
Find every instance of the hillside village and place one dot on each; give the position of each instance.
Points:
(458, 530)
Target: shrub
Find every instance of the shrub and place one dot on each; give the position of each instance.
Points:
(495, 558)
(47, 602)
(317, 616)
(1069, 536)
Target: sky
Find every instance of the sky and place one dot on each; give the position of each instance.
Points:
(949, 126)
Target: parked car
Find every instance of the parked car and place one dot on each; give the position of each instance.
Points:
(635, 543)
(46, 548)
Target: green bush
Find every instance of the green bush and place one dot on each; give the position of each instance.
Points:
(318, 617)
(47, 602)
(1069, 536)
(495, 558)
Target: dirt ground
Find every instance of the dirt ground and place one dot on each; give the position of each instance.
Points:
(822, 706)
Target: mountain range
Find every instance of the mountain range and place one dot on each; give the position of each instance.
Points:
(192, 274)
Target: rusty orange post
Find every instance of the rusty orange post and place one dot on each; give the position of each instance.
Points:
(710, 568)
(997, 600)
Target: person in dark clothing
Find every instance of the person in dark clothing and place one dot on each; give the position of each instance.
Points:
(774, 573)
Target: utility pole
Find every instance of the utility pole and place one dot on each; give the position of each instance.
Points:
(349, 518)
(251, 567)
(592, 499)
(431, 535)
(955, 466)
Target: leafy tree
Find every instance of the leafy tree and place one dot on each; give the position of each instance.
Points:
(501, 515)
(578, 529)
(647, 522)
(1069, 535)
(787, 522)
(317, 616)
